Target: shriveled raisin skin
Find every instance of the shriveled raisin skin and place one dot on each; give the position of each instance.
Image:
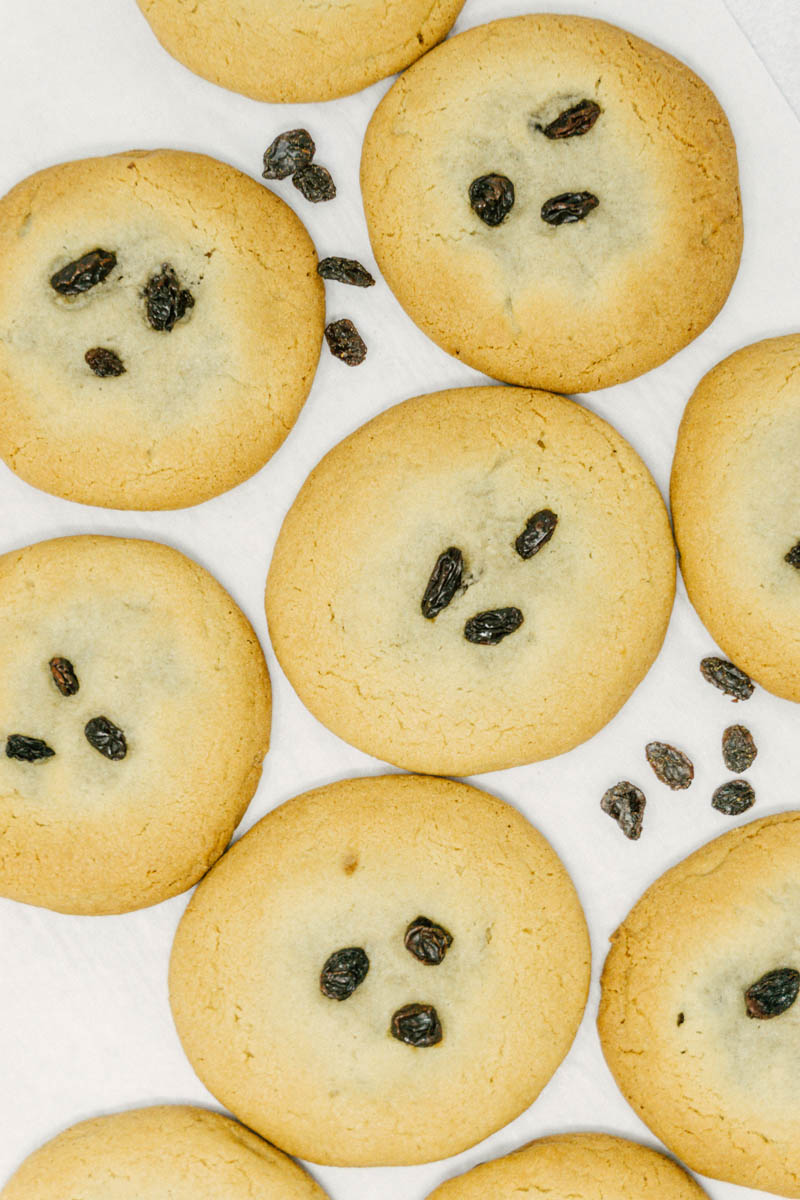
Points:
(733, 798)
(314, 183)
(490, 627)
(84, 273)
(343, 972)
(417, 1025)
(727, 677)
(345, 270)
(105, 363)
(572, 122)
(106, 737)
(738, 748)
(773, 993)
(166, 302)
(64, 676)
(345, 342)
(625, 803)
(27, 749)
(444, 582)
(671, 766)
(491, 198)
(427, 941)
(793, 557)
(288, 153)
(568, 207)
(537, 533)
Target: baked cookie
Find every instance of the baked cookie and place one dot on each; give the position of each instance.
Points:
(736, 506)
(152, 1153)
(538, 190)
(156, 344)
(134, 718)
(583, 1166)
(475, 579)
(381, 971)
(698, 1018)
(290, 50)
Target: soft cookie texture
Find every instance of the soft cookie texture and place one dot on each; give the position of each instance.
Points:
(736, 506)
(473, 471)
(124, 772)
(716, 1084)
(209, 394)
(649, 168)
(153, 1153)
(582, 1166)
(369, 866)
(291, 50)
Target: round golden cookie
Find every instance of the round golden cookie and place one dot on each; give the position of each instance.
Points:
(736, 506)
(291, 50)
(582, 1166)
(583, 604)
(381, 971)
(698, 1018)
(134, 719)
(153, 1153)
(623, 175)
(194, 292)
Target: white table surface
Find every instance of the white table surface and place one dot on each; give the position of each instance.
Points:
(85, 1026)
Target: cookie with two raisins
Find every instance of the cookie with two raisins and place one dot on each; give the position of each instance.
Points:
(398, 965)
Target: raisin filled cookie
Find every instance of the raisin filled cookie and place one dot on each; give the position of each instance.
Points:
(151, 1153)
(381, 971)
(134, 719)
(699, 1018)
(474, 579)
(160, 324)
(539, 190)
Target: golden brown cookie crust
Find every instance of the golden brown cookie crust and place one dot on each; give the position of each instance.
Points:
(582, 305)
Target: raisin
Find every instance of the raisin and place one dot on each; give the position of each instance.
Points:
(537, 533)
(427, 941)
(793, 557)
(165, 300)
(773, 993)
(315, 183)
(444, 582)
(572, 122)
(738, 748)
(345, 342)
(82, 274)
(288, 153)
(343, 972)
(681, 1019)
(625, 803)
(568, 207)
(345, 270)
(728, 678)
(106, 737)
(64, 676)
(733, 798)
(491, 198)
(489, 628)
(27, 749)
(104, 363)
(671, 766)
(417, 1025)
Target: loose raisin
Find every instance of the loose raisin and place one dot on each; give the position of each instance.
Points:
(27, 749)
(728, 678)
(444, 582)
(344, 970)
(417, 1025)
(491, 198)
(64, 676)
(572, 122)
(625, 803)
(345, 270)
(671, 766)
(734, 797)
(537, 533)
(82, 274)
(106, 737)
(345, 342)
(104, 363)
(568, 207)
(738, 748)
(427, 941)
(315, 183)
(165, 300)
(489, 628)
(288, 153)
(773, 993)
(793, 557)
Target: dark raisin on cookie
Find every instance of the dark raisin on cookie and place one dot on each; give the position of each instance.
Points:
(27, 749)
(345, 342)
(625, 803)
(427, 941)
(64, 676)
(773, 993)
(166, 302)
(104, 362)
(568, 207)
(738, 748)
(671, 766)
(84, 272)
(345, 270)
(793, 557)
(417, 1025)
(106, 737)
(572, 122)
(727, 677)
(288, 153)
(491, 198)
(444, 582)
(490, 627)
(343, 972)
(314, 183)
(734, 797)
(537, 533)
